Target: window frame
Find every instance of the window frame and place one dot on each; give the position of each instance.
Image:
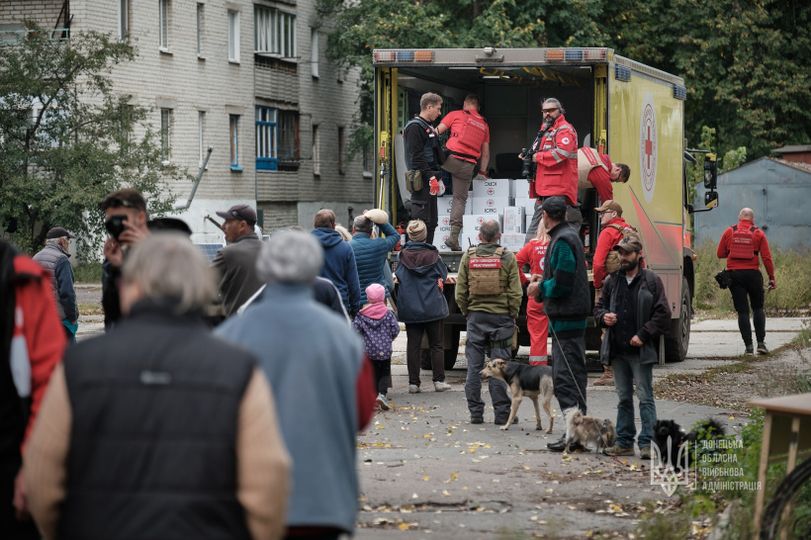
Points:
(201, 137)
(201, 29)
(267, 138)
(233, 19)
(233, 142)
(166, 125)
(164, 14)
(316, 151)
(315, 52)
(274, 32)
(341, 149)
(123, 20)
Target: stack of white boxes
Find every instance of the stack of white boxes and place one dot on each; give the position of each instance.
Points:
(504, 199)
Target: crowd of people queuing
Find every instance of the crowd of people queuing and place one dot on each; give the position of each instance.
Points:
(162, 425)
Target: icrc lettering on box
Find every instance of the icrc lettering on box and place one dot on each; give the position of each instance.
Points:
(492, 187)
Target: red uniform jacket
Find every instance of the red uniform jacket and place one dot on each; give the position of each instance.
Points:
(609, 237)
(39, 338)
(761, 246)
(533, 253)
(556, 173)
(601, 180)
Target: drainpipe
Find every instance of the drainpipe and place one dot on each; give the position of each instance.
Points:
(200, 172)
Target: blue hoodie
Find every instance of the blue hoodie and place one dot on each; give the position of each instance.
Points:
(339, 266)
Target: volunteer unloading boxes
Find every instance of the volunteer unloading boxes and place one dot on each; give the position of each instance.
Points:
(468, 145)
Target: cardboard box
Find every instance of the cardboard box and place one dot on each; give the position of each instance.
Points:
(513, 219)
(519, 188)
(526, 203)
(527, 221)
(443, 205)
(512, 241)
(444, 221)
(492, 187)
(492, 206)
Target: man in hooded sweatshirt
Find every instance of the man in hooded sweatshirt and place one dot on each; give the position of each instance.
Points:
(421, 303)
(339, 260)
(378, 327)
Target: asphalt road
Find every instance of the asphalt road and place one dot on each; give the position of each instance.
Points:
(426, 472)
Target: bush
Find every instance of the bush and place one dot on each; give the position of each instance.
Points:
(87, 272)
(792, 295)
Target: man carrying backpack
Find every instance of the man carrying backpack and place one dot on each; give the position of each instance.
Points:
(606, 258)
(740, 245)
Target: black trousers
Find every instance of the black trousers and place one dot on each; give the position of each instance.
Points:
(382, 375)
(569, 368)
(423, 206)
(747, 288)
(414, 333)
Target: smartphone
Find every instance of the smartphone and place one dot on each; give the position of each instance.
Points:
(115, 226)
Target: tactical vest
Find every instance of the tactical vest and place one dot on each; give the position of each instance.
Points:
(742, 244)
(467, 141)
(431, 150)
(484, 273)
(612, 260)
(587, 159)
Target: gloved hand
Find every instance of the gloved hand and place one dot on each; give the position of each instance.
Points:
(772, 284)
(377, 216)
(436, 187)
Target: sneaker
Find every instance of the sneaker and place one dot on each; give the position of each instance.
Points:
(476, 420)
(761, 348)
(413, 389)
(441, 386)
(620, 451)
(749, 351)
(383, 402)
(644, 452)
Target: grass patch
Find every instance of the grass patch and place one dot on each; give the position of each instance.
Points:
(792, 295)
(91, 309)
(87, 272)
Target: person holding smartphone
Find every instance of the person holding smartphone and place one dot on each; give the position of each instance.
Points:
(125, 218)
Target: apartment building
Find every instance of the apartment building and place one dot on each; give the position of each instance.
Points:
(247, 79)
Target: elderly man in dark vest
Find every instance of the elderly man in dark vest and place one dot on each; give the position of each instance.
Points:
(54, 258)
(565, 294)
(158, 428)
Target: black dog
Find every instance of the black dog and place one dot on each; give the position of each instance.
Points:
(707, 429)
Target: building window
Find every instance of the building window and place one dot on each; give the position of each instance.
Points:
(367, 161)
(275, 32)
(233, 36)
(277, 139)
(166, 135)
(201, 19)
(314, 52)
(341, 149)
(164, 9)
(123, 20)
(266, 150)
(233, 124)
(201, 135)
(316, 151)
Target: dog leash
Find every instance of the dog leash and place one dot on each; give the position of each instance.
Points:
(569, 367)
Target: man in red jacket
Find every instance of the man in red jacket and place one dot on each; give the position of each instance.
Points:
(741, 245)
(598, 171)
(555, 155)
(32, 341)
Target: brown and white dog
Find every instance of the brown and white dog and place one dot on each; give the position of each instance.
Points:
(524, 380)
(588, 430)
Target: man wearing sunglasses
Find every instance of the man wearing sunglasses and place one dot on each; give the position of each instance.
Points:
(125, 218)
(554, 153)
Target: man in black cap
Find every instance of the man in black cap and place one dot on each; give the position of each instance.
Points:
(236, 263)
(566, 297)
(54, 258)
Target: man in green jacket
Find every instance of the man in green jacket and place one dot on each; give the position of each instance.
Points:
(488, 293)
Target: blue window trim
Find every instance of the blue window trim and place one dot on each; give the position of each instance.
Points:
(266, 163)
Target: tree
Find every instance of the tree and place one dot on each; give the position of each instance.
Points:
(68, 139)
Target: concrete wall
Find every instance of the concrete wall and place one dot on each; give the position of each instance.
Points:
(779, 195)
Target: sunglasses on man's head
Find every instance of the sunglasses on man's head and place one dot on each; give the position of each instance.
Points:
(119, 203)
(549, 110)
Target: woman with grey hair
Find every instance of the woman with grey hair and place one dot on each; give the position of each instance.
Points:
(203, 454)
(322, 383)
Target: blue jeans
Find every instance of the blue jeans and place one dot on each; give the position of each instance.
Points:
(628, 370)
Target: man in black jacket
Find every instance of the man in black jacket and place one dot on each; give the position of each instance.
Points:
(565, 294)
(423, 154)
(634, 309)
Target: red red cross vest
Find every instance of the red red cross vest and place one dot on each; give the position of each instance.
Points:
(742, 243)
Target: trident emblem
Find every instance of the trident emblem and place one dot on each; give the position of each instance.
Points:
(672, 473)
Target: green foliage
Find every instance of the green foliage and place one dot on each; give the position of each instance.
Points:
(745, 64)
(87, 272)
(68, 138)
(792, 295)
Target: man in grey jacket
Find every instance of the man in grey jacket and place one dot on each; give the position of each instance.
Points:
(54, 258)
(236, 263)
(634, 309)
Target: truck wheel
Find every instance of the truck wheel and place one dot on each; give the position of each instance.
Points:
(677, 342)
